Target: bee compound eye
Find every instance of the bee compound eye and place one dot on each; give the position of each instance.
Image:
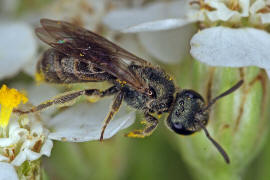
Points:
(152, 92)
(177, 125)
(179, 128)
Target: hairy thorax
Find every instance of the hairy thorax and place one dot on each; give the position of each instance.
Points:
(161, 86)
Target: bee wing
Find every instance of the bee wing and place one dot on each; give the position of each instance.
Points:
(86, 45)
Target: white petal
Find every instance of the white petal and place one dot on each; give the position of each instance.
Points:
(221, 46)
(46, 147)
(257, 5)
(17, 46)
(157, 25)
(5, 142)
(7, 172)
(38, 94)
(222, 12)
(31, 156)
(83, 122)
(36, 129)
(19, 159)
(245, 5)
(15, 133)
(25, 154)
(157, 16)
(131, 43)
(265, 18)
(3, 158)
(168, 46)
(30, 67)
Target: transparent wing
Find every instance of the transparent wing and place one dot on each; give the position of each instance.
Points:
(88, 46)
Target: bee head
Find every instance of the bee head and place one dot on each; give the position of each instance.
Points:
(187, 113)
(190, 114)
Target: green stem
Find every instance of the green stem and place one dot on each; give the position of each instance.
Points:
(29, 170)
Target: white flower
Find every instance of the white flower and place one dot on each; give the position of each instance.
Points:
(84, 121)
(151, 22)
(17, 47)
(221, 46)
(230, 44)
(86, 13)
(28, 137)
(26, 140)
(7, 172)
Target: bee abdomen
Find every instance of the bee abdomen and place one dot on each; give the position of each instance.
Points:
(56, 67)
(47, 65)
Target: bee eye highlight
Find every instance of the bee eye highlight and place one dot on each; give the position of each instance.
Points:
(153, 93)
(181, 102)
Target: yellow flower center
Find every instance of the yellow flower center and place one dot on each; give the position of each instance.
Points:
(9, 99)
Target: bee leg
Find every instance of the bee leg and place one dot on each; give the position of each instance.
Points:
(151, 124)
(115, 107)
(95, 92)
(67, 99)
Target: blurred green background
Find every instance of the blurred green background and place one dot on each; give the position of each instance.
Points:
(156, 157)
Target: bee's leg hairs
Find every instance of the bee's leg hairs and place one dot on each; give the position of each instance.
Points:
(150, 125)
(68, 98)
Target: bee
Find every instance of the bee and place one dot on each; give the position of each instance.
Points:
(79, 55)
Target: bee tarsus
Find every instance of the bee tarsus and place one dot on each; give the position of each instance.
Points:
(150, 125)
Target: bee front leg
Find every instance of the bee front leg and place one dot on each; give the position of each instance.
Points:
(67, 99)
(151, 124)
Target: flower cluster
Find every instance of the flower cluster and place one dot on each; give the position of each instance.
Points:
(27, 137)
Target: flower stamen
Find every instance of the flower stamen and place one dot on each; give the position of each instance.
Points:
(9, 99)
(234, 5)
(264, 10)
(202, 5)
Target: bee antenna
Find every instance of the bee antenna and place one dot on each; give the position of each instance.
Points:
(229, 91)
(219, 148)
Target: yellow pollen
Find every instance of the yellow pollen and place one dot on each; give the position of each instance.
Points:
(39, 77)
(9, 99)
(93, 99)
(135, 135)
(121, 82)
(144, 122)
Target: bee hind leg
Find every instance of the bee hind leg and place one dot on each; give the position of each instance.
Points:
(68, 98)
(150, 123)
(114, 109)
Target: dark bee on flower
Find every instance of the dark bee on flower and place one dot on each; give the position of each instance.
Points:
(78, 55)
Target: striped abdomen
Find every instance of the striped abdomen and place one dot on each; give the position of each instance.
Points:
(57, 67)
